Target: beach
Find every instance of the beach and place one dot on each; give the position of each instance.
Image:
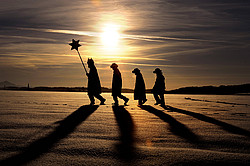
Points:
(60, 128)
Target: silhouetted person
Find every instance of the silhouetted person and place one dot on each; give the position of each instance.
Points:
(94, 85)
(139, 91)
(117, 85)
(159, 87)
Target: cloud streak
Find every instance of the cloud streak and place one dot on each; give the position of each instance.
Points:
(125, 36)
(28, 38)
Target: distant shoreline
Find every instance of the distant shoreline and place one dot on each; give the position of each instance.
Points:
(243, 89)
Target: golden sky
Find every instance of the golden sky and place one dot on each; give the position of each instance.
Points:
(194, 43)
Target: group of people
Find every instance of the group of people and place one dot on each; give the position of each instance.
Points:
(94, 86)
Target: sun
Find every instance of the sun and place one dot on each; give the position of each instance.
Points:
(110, 36)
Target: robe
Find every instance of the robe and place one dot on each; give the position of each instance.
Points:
(159, 87)
(139, 91)
(116, 83)
(94, 85)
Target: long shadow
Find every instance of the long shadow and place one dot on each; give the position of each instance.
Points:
(126, 125)
(227, 127)
(176, 127)
(43, 145)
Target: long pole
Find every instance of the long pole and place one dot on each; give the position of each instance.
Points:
(82, 62)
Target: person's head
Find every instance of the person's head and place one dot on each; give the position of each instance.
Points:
(136, 71)
(157, 71)
(90, 62)
(114, 66)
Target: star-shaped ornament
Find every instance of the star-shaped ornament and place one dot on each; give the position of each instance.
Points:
(75, 44)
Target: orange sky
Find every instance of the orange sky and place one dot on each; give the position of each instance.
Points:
(193, 43)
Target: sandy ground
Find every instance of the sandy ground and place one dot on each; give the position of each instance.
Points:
(55, 129)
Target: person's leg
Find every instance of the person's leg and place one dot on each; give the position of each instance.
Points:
(115, 100)
(144, 99)
(91, 98)
(140, 102)
(162, 100)
(157, 99)
(124, 98)
(99, 97)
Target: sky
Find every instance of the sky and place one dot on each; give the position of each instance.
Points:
(194, 43)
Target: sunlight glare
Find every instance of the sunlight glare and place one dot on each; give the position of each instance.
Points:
(110, 36)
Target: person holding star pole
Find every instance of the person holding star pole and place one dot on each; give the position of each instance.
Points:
(94, 84)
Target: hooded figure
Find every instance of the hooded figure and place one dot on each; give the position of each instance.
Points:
(94, 85)
(117, 85)
(159, 87)
(140, 90)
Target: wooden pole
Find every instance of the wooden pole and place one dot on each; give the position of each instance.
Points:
(82, 62)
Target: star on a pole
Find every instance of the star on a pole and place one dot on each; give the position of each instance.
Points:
(75, 44)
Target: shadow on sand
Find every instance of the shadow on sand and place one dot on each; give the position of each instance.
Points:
(176, 127)
(227, 127)
(43, 145)
(126, 125)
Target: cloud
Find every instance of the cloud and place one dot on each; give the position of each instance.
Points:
(28, 38)
(134, 37)
(189, 40)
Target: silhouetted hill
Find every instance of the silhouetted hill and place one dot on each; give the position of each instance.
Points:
(220, 90)
(6, 84)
